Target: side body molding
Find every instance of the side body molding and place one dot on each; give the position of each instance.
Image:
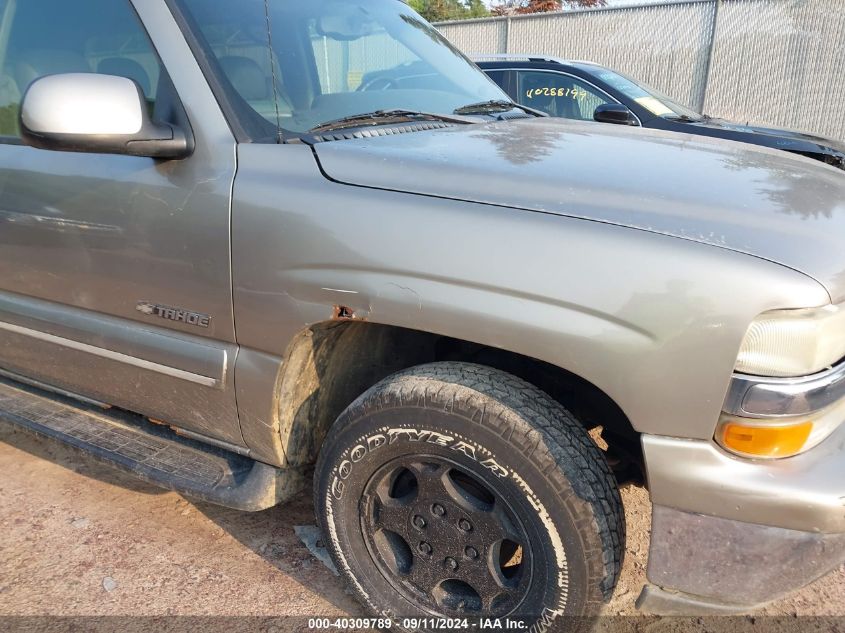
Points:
(131, 359)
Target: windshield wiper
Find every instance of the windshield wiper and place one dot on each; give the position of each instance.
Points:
(384, 117)
(496, 106)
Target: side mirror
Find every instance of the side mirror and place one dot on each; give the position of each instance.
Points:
(86, 112)
(615, 113)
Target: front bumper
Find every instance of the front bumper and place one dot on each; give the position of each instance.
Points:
(730, 534)
(804, 493)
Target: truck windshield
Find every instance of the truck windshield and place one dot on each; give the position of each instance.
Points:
(299, 65)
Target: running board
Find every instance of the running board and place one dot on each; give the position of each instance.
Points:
(148, 451)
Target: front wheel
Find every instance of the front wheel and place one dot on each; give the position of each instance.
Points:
(457, 491)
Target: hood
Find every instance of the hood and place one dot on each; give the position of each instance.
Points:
(750, 199)
(780, 138)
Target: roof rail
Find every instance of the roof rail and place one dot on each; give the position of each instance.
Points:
(512, 57)
(509, 57)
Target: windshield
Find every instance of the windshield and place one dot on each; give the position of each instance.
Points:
(298, 65)
(652, 100)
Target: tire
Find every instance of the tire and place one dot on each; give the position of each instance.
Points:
(447, 483)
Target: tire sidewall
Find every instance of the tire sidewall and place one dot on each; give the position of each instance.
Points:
(370, 436)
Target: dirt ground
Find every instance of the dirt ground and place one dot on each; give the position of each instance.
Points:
(80, 539)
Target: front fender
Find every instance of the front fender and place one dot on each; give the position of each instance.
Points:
(653, 321)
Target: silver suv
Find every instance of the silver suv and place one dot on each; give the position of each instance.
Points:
(234, 246)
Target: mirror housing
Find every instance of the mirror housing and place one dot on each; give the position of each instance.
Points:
(104, 114)
(615, 113)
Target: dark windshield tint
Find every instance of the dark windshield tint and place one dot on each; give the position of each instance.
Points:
(331, 59)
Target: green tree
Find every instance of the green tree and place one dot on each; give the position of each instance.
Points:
(510, 7)
(442, 10)
(476, 9)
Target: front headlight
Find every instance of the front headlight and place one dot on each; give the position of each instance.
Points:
(781, 401)
(793, 342)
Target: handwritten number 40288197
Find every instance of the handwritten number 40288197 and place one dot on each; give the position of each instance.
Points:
(572, 93)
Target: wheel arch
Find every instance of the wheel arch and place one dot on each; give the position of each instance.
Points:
(330, 364)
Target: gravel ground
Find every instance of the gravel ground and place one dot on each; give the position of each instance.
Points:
(80, 539)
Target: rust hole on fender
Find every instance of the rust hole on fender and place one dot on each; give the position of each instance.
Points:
(343, 313)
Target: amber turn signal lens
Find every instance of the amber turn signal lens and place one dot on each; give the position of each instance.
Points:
(766, 441)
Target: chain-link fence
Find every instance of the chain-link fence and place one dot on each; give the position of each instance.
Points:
(765, 61)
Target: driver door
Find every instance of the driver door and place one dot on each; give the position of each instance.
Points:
(115, 270)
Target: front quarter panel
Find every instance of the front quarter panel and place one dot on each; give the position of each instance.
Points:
(653, 321)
